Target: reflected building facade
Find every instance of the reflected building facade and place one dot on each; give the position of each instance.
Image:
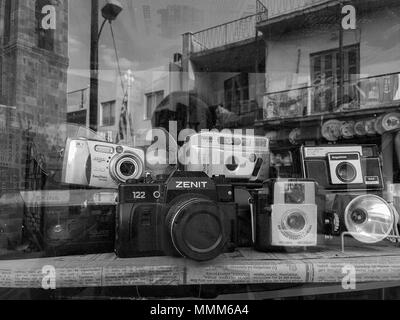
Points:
(34, 64)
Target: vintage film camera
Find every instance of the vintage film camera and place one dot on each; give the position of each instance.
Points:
(101, 164)
(235, 156)
(353, 176)
(186, 214)
(368, 218)
(285, 215)
(71, 222)
(343, 168)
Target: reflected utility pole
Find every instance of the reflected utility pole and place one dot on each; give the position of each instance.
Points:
(94, 67)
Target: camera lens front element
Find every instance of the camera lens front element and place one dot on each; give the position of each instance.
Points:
(196, 228)
(126, 167)
(294, 225)
(296, 221)
(359, 216)
(346, 172)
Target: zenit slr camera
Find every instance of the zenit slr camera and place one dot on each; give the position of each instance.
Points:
(100, 164)
(186, 214)
(285, 214)
(342, 168)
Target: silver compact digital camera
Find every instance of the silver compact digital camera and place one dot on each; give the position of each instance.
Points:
(101, 164)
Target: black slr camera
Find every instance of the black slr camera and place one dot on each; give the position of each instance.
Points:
(186, 214)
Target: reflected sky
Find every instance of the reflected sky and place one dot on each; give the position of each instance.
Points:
(148, 32)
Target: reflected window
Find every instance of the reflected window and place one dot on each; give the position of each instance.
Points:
(326, 77)
(7, 21)
(153, 99)
(108, 113)
(236, 92)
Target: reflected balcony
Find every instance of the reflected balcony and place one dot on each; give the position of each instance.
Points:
(365, 97)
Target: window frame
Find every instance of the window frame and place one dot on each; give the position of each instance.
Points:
(8, 8)
(112, 105)
(335, 70)
(146, 116)
(236, 91)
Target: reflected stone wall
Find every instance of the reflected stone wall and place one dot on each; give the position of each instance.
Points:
(34, 65)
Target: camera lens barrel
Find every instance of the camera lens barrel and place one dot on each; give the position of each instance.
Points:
(294, 224)
(126, 167)
(346, 172)
(296, 221)
(195, 226)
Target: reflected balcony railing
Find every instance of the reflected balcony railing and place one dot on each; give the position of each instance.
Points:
(225, 34)
(277, 8)
(363, 94)
(78, 99)
(246, 28)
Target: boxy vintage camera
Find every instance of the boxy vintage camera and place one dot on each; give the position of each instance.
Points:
(285, 214)
(100, 164)
(235, 156)
(187, 214)
(343, 168)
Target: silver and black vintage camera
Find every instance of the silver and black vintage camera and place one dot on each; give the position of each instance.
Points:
(100, 164)
(236, 156)
(344, 167)
(285, 214)
(186, 214)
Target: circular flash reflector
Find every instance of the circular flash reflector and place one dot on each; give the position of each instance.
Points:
(369, 218)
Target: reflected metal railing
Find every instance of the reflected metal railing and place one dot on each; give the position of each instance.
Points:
(364, 93)
(246, 27)
(78, 99)
(282, 7)
(225, 34)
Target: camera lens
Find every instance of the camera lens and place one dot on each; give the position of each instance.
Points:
(346, 172)
(296, 221)
(196, 228)
(127, 168)
(359, 216)
(207, 231)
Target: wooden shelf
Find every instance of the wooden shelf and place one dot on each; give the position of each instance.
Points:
(319, 118)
